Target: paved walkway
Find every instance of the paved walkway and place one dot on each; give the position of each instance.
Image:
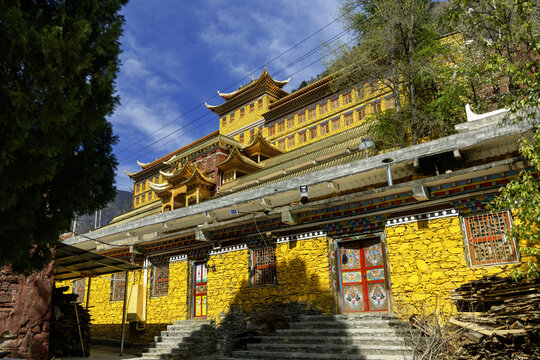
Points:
(107, 353)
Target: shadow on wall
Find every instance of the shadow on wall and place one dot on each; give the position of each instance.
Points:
(265, 308)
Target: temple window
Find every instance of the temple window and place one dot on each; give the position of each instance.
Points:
(336, 124)
(263, 266)
(223, 121)
(281, 144)
(312, 113)
(260, 103)
(251, 107)
(360, 92)
(251, 134)
(290, 123)
(313, 132)
(242, 112)
(302, 137)
(272, 130)
(232, 117)
(78, 287)
(301, 117)
(160, 280)
(349, 120)
(281, 126)
(376, 106)
(118, 286)
(361, 113)
(323, 109)
(347, 98)
(241, 138)
(137, 200)
(334, 103)
(143, 198)
(325, 128)
(488, 240)
(290, 142)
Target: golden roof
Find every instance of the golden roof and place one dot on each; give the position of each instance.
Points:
(263, 85)
(198, 178)
(264, 76)
(259, 145)
(179, 174)
(236, 160)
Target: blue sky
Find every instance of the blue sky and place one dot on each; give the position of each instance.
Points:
(177, 54)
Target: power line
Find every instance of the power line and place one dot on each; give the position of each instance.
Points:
(294, 62)
(237, 82)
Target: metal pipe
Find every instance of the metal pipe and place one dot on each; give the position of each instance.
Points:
(389, 175)
(88, 292)
(124, 315)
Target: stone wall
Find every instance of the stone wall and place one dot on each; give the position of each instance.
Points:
(302, 277)
(303, 284)
(427, 260)
(25, 312)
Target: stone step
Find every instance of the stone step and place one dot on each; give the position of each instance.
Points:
(180, 333)
(347, 317)
(193, 322)
(310, 356)
(356, 323)
(343, 332)
(348, 340)
(189, 328)
(365, 349)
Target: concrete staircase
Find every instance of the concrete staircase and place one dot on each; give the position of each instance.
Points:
(185, 339)
(351, 337)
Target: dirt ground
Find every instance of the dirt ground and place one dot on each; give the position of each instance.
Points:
(107, 353)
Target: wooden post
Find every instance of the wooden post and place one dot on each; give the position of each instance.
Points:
(124, 315)
(88, 292)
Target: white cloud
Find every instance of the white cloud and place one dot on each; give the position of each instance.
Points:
(245, 39)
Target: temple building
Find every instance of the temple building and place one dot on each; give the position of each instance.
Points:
(287, 205)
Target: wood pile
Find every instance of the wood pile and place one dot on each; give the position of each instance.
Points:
(499, 318)
(70, 326)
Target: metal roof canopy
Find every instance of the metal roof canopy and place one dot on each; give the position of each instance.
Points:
(71, 263)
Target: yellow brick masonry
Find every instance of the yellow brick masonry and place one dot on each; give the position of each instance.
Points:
(302, 271)
(106, 314)
(303, 276)
(427, 260)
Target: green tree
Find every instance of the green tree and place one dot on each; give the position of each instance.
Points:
(58, 65)
(400, 46)
(506, 35)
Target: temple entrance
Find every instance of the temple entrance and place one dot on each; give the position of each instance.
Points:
(199, 290)
(363, 277)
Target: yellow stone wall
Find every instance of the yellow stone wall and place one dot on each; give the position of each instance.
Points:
(427, 260)
(106, 314)
(302, 275)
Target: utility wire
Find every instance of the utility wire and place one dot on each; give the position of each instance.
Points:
(128, 159)
(239, 81)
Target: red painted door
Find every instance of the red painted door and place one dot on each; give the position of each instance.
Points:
(363, 276)
(199, 290)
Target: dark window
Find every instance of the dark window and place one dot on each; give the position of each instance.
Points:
(160, 281)
(488, 239)
(264, 266)
(118, 286)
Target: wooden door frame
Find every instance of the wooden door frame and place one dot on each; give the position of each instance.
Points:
(193, 286)
(387, 282)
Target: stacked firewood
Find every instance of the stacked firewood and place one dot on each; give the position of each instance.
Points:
(499, 318)
(70, 326)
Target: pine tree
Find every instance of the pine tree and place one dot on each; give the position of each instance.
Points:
(58, 65)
